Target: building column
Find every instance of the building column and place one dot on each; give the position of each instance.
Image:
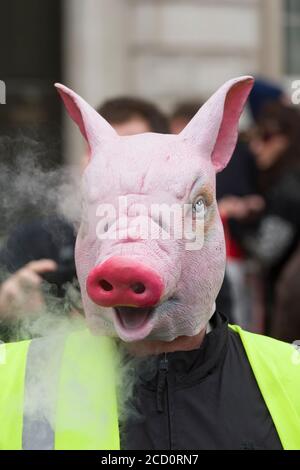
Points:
(272, 38)
(94, 55)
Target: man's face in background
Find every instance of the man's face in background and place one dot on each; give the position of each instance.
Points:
(135, 125)
(130, 116)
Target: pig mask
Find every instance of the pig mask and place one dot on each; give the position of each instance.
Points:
(153, 288)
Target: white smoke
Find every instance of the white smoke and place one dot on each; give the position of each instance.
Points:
(29, 186)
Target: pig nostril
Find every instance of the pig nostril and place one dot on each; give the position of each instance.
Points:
(138, 287)
(105, 285)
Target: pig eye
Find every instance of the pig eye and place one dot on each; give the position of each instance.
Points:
(199, 206)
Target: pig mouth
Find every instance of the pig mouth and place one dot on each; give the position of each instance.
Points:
(133, 317)
(133, 320)
(137, 323)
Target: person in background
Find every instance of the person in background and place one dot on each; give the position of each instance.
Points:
(129, 116)
(272, 237)
(264, 92)
(182, 114)
(239, 197)
(38, 256)
(38, 274)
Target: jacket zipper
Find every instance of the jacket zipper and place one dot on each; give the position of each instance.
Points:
(162, 386)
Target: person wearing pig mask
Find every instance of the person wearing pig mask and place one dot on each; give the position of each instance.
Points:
(152, 296)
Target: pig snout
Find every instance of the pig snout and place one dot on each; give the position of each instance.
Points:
(123, 281)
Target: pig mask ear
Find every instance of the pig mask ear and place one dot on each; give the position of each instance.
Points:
(94, 128)
(215, 127)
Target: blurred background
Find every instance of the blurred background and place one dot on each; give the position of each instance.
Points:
(163, 50)
(173, 54)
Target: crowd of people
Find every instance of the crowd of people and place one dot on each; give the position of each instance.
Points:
(259, 201)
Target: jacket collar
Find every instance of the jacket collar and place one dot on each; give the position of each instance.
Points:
(187, 366)
(198, 363)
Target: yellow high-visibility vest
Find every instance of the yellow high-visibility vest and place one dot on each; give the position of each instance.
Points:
(276, 367)
(60, 392)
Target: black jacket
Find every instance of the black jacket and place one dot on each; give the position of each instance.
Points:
(202, 399)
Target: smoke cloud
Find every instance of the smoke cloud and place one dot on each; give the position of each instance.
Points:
(31, 187)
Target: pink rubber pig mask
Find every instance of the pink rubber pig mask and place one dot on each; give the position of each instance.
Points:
(153, 287)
